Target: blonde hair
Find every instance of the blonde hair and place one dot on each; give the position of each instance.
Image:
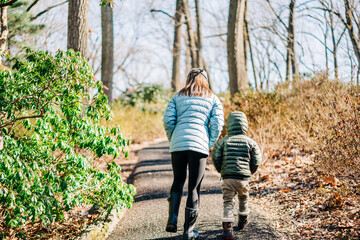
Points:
(196, 85)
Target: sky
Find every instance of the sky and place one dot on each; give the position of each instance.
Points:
(143, 40)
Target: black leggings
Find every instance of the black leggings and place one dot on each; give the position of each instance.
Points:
(197, 163)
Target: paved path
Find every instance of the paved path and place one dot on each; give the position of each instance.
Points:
(147, 219)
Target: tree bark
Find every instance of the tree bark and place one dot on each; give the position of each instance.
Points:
(251, 54)
(349, 24)
(107, 52)
(326, 46)
(175, 80)
(235, 47)
(201, 62)
(205, 67)
(78, 29)
(4, 30)
(332, 29)
(190, 33)
(187, 55)
(245, 39)
(199, 56)
(291, 62)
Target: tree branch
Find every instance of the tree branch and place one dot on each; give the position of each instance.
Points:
(7, 4)
(161, 11)
(48, 9)
(32, 5)
(277, 16)
(313, 35)
(341, 35)
(20, 118)
(216, 35)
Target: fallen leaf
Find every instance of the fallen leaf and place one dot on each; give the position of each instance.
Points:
(265, 177)
(285, 190)
(330, 180)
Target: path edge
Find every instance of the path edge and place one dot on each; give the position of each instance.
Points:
(103, 227)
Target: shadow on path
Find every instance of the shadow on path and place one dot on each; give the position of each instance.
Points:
(152, 177)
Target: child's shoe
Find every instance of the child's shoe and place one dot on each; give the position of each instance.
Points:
(243, 222)
(228, 233)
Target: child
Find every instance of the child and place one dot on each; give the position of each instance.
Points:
(236, 157)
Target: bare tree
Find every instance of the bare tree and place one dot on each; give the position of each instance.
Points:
(236, 46)
(78, 29)
(179, 13)
(291, 62)
(329, 9)
(201, 62)
(187, 54)
(107, 52)
(288, 38)
(199, 57)
(190, 34)
(351, 24)
(247, 31)
(4, 30)
(4, 25)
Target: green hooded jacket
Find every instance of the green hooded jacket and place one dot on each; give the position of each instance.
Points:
(236, 156)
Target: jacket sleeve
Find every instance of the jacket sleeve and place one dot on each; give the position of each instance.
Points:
(216, 122)
(217, 155)
(170, 118)
(256, 157)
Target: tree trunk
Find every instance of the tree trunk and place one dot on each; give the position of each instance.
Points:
(326, 46)
(4, 30)
(332, 29)
(175, 79)
(107, 52)
(190, 33)
(291, 62)
(349, 24)
(246, 38)
(251, 55)
(201, 63)
(199, 56)
(235, 47)
(208, 75)
(78, 29)
(187, 55)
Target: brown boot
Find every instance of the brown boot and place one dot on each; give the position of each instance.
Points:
(243, 222)
(228, 233)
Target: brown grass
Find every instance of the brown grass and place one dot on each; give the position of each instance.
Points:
(320, 117)
(308, 184)
(138, 125)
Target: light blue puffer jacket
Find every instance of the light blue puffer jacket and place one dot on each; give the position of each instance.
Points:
(193, 123)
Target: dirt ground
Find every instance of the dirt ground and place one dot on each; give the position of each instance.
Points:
(303, 205)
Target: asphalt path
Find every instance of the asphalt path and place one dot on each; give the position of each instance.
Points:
(147, 218)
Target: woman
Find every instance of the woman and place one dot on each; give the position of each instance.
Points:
(193, 121)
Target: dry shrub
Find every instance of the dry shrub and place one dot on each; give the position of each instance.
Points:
(139, 125)
(317, 116)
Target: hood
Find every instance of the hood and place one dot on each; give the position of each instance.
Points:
(237, 123)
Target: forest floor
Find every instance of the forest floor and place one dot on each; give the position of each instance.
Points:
(286, 190)
(300, 204)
